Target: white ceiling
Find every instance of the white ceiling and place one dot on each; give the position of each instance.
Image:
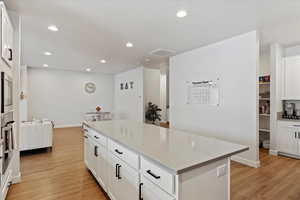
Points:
(99, 29)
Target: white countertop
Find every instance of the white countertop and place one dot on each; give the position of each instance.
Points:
(178, 151)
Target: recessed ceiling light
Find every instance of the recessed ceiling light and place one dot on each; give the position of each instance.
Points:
(47, 53)
(103, 61)
(53, 28)
(88, 69)
(129, 44)
(181, 13)
(45, 65)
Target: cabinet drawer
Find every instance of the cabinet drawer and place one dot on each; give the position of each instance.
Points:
(128, 156)
(151, 191)
(98, 137)
(158, 176)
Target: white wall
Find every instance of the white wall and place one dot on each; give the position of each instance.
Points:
(277, 77)
(60, 96)
(129, 104)
(235, 62)
(24, 89)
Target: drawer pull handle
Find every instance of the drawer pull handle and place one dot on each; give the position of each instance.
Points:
(119, 152)
(96, 151)
(117, 175)
(10, 54)
(154, 175)
(140, 191)
(95, 136)
(119, 166)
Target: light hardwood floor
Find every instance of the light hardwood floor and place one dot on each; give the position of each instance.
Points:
(61, 175)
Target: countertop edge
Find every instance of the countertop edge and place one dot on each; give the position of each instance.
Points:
(173, 171)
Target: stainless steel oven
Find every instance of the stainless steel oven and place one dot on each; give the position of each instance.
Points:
(6, 93)
(7, 140)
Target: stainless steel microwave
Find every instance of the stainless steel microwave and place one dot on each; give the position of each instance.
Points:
(6, 93)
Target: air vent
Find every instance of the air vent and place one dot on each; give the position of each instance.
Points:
(162, 52)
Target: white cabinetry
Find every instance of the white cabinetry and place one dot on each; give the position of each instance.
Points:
(124, 180)
(152, 192)
(289, 138)
(35, 135)
(291, 83)
(126, 174)
(7, 37)
(101, 163)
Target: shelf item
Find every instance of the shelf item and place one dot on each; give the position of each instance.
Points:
(264, 99)
(264, 130)
(265, 115)
(264, 79)
(264, 83)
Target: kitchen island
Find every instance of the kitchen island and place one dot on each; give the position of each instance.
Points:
(135, 161)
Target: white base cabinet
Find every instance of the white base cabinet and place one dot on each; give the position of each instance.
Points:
(151, 192)
(124, 180)
(288, 138)
(128, 175)
(35, 135)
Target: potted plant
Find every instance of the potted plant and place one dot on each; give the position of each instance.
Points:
(152, 113)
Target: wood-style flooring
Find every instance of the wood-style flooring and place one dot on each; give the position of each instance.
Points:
(61, 175)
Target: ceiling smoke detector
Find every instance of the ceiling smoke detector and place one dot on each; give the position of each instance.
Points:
(162, 52)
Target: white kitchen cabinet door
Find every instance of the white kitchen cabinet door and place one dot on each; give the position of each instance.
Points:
(86, 154)
(291, 78)
(298, 143)
(287, 140)
(124, 183)
(112, 188)
(93, 148)
(101, 166)
(7, 37)
(149, 191)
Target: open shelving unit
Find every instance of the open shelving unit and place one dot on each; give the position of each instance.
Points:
(264, 111)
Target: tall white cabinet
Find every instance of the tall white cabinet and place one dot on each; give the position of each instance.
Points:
(7, 50)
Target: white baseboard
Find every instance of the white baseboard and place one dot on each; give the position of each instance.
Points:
(273, 152)
(67, 126)
(251, 163)
(16, 179)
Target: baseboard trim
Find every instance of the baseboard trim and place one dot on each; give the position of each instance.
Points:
(251, 163)
(67, 126)
(273, 152)
(16, 179)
